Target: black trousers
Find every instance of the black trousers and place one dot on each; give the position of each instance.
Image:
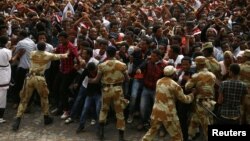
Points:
(183, 112)
(19, 80)
(225, 121)
(61, 90)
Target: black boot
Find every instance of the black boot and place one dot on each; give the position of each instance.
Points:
(2, 112)
(1, 115)
(16, 124)
(48, 120)
(121, 135)
(101, 131)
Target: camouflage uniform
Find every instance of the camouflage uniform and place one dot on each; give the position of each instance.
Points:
(36, 80)
(204, 82)
(245, 77)
(113, 72)
(213, 65)
(164, 109)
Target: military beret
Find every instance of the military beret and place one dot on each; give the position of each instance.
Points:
(207, 45)
(169, 70)
(200, 60)
(247, 53)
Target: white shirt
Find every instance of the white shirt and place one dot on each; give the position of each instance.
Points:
(177, 61)
(96, 53)
(5, 70)
(29, 46)
(86, 79)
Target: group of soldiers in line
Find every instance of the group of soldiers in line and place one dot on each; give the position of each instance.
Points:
(154, 61)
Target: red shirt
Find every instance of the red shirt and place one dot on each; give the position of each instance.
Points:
(153, 72)
(67, 65)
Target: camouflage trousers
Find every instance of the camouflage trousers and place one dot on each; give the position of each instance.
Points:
(172, 127)
(33, 82)
(113, 95)
(200, 117)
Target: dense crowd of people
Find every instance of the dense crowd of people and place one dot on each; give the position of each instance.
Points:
(178, 65)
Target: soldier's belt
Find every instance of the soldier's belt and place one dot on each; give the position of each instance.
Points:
(36, 74)
(203, 99)
(112, 85)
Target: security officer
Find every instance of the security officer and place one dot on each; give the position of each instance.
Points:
(164, 109)
(245, 77)
(212, 64)
(36, 80)
(112, 73)
(203, 81)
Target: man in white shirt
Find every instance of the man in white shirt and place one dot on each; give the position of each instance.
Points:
(25, 45)
(5, 74)
(100, 52)
(87, 55)
(174, 56)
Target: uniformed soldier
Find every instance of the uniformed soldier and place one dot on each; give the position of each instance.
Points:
(203, 81)
(211, 63)
(245, 77)
(36, 80)
(213, 66)
(164, 109)
(112, 73)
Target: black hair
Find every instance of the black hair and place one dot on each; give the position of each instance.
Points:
(186, 58)
(177, 37)
(91, 66)
(111, 51)
(224, 43)
(42, 33)
(41, 46)
(63, 34)
(40, 26)
(112, 24)
(23, 33)
(3, 40)
(157, 52)
(130, 28)
(137, 31)
(176, 49)
(130, 33)
(196, 54)
(155, 28)
(85, 43)
(2, 26)
(102, 41)
(2, 22)
(235, 68)
(89, 51)
(209, 51)
(146, 39)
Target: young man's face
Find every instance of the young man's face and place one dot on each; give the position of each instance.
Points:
(62, 40)
(185, 64)
(84, 54)
(162, 49)
(154, 57)
(41, 38)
